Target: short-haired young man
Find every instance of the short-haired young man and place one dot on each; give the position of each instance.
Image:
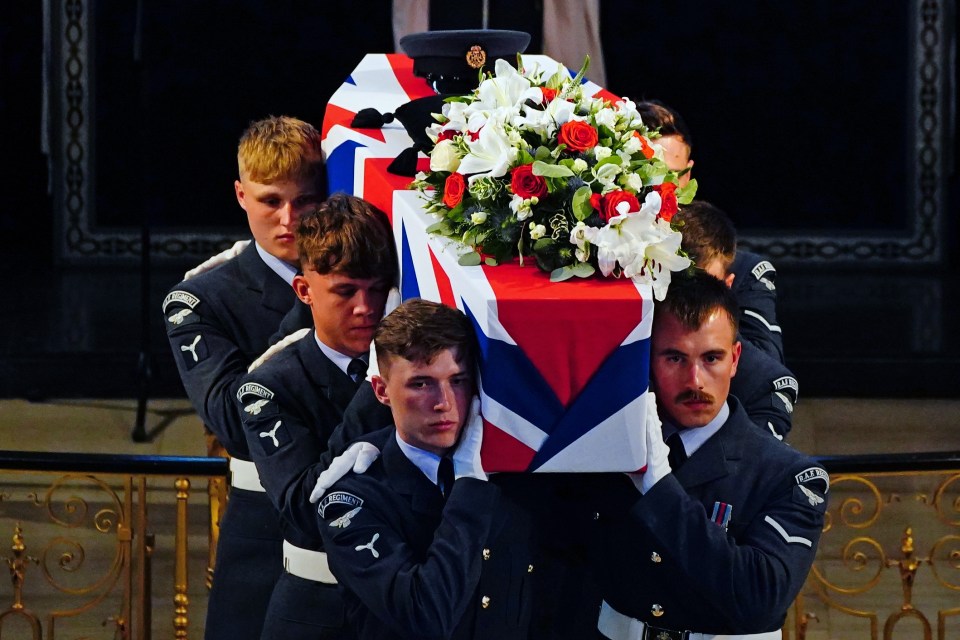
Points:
(292, 402)
(723, 543)
(752, 278)
(766, 388)
(217, 323)
(421, 544)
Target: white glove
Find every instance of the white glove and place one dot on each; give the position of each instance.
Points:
(658, 464)
(220, 258)
(279, 346)
(357, 458)
(393, 301)
(466, 457)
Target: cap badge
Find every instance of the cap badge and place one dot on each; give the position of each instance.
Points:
(476, 57)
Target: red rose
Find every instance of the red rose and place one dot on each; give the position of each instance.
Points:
(595, 200)
(527, 185)
(446, 134)
(578, 136)
(609, 202)
(645, 147)
(668, 195)
(548, 93)
(453, 190)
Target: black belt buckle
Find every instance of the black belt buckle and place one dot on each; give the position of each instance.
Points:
(658, 633)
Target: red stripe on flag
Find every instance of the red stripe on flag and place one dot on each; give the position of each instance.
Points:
(379, 184)
(443, 282)
(403, 68)
(335, 115)
(502, 452)
(541, 315)
(609, 96)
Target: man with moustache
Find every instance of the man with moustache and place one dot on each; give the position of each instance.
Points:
(718, 541)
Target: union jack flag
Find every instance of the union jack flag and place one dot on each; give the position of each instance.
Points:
(564, 367)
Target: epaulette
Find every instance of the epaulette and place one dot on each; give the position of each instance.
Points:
(279, 346)
(217, 260)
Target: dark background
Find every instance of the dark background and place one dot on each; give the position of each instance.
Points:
(798, 110)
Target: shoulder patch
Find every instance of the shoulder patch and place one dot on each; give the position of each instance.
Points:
(182, 317)
(343, 498)
(787, 404)
(787, 383)
(254, 389)
(183, 297)
(814, 473)
(274, 437)
(259, 407)
(761, 269)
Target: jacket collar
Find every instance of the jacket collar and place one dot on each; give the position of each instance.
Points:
(275, 293)
(335, 384)
(405, 478)
(716, 457)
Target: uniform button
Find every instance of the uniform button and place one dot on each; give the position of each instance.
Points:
(655, 557)
(529, 568)
(485, 602)
(486, 554)
(656, 610)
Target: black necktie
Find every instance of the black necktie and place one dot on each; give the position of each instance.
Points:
(445, 476)
(357, 369)
(678, 454)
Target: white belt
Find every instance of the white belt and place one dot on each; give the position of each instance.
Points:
(243, 475)
(618, 626)
(307, 564)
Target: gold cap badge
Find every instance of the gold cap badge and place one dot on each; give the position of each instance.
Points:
(476, 57)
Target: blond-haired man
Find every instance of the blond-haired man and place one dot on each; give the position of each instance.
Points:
(218, 322)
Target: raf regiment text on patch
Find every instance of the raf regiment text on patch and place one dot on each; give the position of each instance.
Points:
(814, 473)
(761, 269)
(787, 382)
(185, 297)
(339, 497)
(254, 389)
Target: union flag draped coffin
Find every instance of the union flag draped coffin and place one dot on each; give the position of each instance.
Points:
(564, 367)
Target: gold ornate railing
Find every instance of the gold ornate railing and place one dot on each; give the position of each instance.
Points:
(85, 547)
(83, 553)
(888, 565)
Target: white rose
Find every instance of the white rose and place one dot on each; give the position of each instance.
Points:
(537, 231)
(602, 152)
(444, 157)
(634, 182)
(579, 165)
(478, 217)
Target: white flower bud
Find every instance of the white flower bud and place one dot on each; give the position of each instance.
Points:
(478, 217)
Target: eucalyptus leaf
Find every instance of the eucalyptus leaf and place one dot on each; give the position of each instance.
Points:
(582, 209)
(471, 259)
(491, 261)
(561, 274)
(551, 170)
(542, 244)
(583, 270)
(542, 153)
(440, 227)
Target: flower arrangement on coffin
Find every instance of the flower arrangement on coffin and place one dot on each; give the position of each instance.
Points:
(528, 165)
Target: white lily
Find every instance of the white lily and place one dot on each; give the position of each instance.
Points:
(491, 154)
(508, 88)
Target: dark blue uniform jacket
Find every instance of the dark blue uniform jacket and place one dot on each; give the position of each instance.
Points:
(672, 559)
(218, 323)
(413, 566)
